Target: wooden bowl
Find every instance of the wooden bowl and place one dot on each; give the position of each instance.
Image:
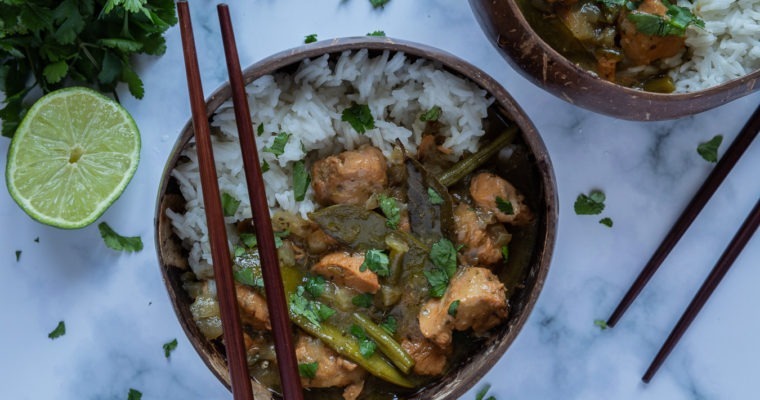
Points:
(507, 29)
(173, 258)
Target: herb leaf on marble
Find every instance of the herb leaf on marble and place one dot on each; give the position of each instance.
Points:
(606, 221)
(134, 394)
(59, 331)
(602, 324)
(117, 242)
(377, 33)
(378, 3)
(169, 347)
(709, 149)
(591, 204)
(309, 39)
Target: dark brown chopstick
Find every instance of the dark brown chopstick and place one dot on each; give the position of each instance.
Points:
(220, 253)
(737, 244)
(278, 310)
(721, 170)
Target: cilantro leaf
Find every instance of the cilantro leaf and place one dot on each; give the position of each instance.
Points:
(367, 347)
(238, 251)
(377, 33)
(56, 71)
(390, 208)
(18, 255)
(117, 242)
(169, 347)
(134, 394)
(278, 238)
(607, 221)
(709, 149)
(674, 23)
(504, 206)
(453, 308)
(390, 324)
(314, 311)
(264, 166)
(308, 370)
(592, 204)
(359, 116)
(301, 180)
(364, 300)
(249, 240)
(248, 276)
(378, 3)
(434, 197)
(483, 392)
(315, 285)
(376, 261)
(431, 115)
(310, 38)
(59, 331)
(260, 129)
(602, 324)
(229, 204)
(443, 254)
(505, 253)
(278, 146)
(438, 281)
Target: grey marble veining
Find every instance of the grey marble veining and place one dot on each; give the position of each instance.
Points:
(118, 314)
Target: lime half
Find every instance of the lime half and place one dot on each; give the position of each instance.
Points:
(71, 157)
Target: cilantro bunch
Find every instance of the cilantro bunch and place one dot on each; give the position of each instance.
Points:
(48, 44)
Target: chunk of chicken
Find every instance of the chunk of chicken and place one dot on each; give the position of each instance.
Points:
(332, 369)
(253, 307)
(350, 177)
(482, 305)
(482, 243)
(492, 193)
(429, 359)
(643, 49)
(343, 269)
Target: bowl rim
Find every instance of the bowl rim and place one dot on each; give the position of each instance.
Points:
(749, 80)
(545, 242)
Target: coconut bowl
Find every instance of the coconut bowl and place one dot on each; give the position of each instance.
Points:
(509, 31)
(173, 258)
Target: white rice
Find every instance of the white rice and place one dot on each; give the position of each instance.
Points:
(308, 104)
(728, 47)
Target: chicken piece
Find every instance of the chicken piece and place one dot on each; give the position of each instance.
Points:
(482, 305)
(492, 193)
(318, 241)
(253, 307)
(429, 359)
(332, 369)
(352, 391)
(350, 177)
(643, 49)
(482, 243)
(343, 269)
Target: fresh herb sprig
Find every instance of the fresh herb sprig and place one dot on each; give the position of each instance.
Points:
(52, 44)
(673, 23)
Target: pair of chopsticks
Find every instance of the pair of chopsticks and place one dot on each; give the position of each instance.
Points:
(275, 294)
(740, 239)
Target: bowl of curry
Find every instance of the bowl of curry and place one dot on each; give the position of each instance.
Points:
(413, 240)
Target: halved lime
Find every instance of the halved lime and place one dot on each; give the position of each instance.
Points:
(71, 157)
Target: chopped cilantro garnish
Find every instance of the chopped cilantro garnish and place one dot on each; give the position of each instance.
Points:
(278, 238)
(249, 240)
(674, 23)
(432, 114)
(367, 347)
(359, 116)
(312, 310)
(315, 285)
(238, 251)
(504, 206)
(453, 307)
(606, 221)
(260, 129)
(59, 331)
(390, 208)
(505, 253)
(248, 276)
(592, 204)
(378, 3)
(709, 149)
(602, 324)
(376, 261)
(18, 255)
(278, 146)
(438, 281)
(169, 347)
(364, 300)
(308, 370)
(483, 392)
(434, 197)
(37, 239)
(117, 242)
(301, 180)
(390, 324)
(443, 254)
(377, 33)
(229, 204)
(264, 166)
(134, 395)
(310, 38)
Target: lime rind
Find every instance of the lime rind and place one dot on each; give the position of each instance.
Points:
(55, 183)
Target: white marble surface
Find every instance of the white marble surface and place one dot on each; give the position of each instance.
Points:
(118, 314)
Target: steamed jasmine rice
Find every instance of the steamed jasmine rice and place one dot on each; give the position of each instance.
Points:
(306, 107)
(727, 48)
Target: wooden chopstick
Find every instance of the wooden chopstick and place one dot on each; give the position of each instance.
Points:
(716, 177)
(275, 294)
(220, 252)
(737, 244)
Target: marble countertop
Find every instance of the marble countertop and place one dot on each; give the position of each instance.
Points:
(118, 314)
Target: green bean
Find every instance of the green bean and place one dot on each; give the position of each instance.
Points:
(348, 347)
(469, 164)
(387, 344)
